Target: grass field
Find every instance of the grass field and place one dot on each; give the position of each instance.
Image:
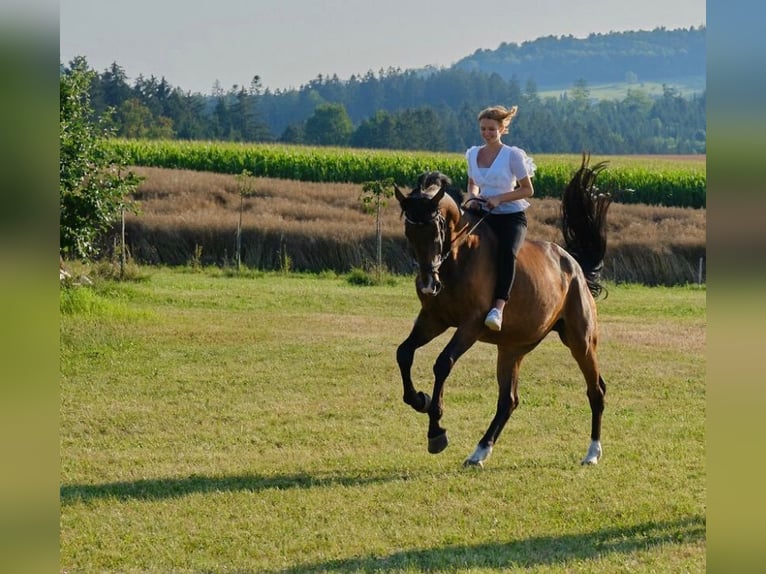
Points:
(685, 87)
(254, 423)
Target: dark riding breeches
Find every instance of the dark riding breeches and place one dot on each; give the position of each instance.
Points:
(510, 229)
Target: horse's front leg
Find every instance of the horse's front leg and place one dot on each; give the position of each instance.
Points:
(461, 341)
(424, 330)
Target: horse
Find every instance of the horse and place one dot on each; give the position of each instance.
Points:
(555, 289)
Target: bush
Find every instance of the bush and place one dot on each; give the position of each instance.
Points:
(361, 277)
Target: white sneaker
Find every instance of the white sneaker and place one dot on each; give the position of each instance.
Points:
(494, 319)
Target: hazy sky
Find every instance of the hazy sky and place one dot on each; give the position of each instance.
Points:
(193, 43)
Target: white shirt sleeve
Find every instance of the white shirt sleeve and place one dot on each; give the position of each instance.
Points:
(521, 164)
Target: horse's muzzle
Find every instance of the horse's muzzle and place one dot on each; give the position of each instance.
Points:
(430, 284)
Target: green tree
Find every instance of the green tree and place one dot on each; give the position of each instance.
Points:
(293, 134)
(134, 119)
(374, 194)
(93, 187)
(110, 89)
(330, 125)
(246, 186)
(379, 131)
(245, 118)
(581, 94)
(420, 128)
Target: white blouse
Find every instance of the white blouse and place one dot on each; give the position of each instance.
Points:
(510, 165)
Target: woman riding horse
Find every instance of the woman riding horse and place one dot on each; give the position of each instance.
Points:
(553, 290)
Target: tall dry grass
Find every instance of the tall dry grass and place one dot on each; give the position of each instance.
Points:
(187, 215)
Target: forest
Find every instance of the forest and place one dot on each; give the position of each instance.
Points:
(435, 109)
(656, 55)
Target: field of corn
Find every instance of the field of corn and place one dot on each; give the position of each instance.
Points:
(640, 179)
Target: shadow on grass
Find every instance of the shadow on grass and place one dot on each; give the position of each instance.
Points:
(520, 554)
(160, 488)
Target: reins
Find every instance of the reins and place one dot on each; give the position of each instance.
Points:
(459, 234)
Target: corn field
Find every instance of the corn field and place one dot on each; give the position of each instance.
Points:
(639, 179)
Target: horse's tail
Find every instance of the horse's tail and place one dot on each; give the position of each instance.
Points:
(583, 222)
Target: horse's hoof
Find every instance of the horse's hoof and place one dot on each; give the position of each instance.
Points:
(426, 402)
(437, 443)
(593, 454)
(478, 457)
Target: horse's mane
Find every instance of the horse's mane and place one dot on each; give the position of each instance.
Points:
(429, 184)
(429, 179)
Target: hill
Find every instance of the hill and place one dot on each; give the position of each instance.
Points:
(660, 56)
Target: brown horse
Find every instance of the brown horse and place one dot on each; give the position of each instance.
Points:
(553, 290)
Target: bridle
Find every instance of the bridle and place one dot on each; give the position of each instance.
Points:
(441, 237)
(445, 248)
(430, 214)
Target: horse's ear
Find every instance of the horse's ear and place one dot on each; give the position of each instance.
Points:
(399, 195)
(438, 197)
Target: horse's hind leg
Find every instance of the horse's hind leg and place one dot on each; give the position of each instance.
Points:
(508, 366)
(596, 399)
(423, 331)
(583, 348)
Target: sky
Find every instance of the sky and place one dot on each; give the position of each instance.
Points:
(194, 43)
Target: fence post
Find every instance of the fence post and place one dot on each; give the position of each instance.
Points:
(123, 257)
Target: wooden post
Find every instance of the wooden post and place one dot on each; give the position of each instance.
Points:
(122, 246)
(239, 229)
(379, 241)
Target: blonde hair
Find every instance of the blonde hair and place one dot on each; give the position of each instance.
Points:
(500, 114)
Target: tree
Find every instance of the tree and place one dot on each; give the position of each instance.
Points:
(293, 134)
(374, 194)
(93, 187)
(245, 119)
(134, 119)
(330, 125)
(110, 89)
(246, 186)
(420, 128)
(581, 94)
(379, 131)
(221, 121)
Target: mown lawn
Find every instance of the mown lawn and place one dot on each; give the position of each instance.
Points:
(216, 423)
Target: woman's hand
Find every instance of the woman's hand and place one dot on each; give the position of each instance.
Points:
(492, 202)
(475, 203)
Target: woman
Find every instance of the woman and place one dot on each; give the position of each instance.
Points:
(500, 177)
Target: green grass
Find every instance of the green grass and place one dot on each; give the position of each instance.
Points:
(215, 423)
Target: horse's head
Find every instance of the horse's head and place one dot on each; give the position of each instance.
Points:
(430, 216)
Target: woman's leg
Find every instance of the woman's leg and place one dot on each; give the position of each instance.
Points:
(511, 232)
